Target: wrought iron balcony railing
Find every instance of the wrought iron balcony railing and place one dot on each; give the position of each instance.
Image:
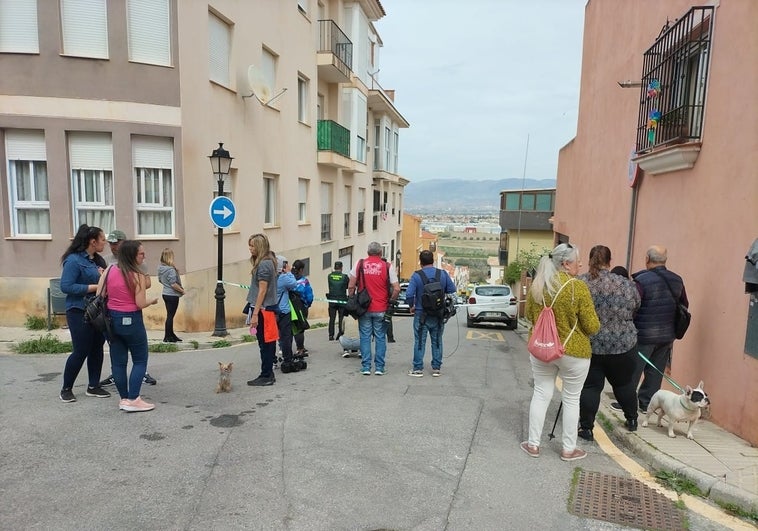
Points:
(332, 39)
(331, 136)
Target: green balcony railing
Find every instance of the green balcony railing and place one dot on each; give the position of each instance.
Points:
(331, 136)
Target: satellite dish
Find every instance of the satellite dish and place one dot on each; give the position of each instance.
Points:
(259, 86)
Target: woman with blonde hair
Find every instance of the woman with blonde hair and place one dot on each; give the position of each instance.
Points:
(263, 305)
(576, 320)
(168, 275)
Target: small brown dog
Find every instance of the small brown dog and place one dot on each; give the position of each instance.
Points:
(224, 377)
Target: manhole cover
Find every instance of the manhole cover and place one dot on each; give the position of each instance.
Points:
(623, 501)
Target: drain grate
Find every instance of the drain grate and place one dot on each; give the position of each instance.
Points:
(623, 501)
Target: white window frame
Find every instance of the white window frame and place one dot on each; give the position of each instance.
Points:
(395, 144)
(326, 212)
(154, 185)
(387, 148)
(268, 68)
(302, 200)
(92, 184)
(18, 26)
(149, 31)
(219, 50)
(26, 148)
(377, 142)
(302, 99)
(270, 199)
(84, 27)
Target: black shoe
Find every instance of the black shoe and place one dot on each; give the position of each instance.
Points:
(631, 424)
(615, 406)
(262, 380)
(331, 338)
(169, 340)
(149, 380)
(67, 396)
(97, 392)
(178, 339)
(643, 410)
(391, 340)
(586, 434)
(108, 381)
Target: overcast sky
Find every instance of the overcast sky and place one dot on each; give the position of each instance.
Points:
(474, 78)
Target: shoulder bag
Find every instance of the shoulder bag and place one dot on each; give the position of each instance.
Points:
(358, 303)
(96, 312)
(682, 317)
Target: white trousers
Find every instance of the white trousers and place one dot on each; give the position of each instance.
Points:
(573, 372)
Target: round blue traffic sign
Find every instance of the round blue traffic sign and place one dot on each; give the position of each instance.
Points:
(222, 212)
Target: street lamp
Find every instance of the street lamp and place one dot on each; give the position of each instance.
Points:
(221, 163)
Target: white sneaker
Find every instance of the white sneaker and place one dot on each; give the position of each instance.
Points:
(137, 405)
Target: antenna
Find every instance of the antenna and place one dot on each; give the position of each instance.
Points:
(259, 87)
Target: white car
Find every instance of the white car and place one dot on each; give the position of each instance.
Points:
(492, 303)
(402, 307)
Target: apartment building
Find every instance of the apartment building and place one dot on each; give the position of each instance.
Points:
(665, 153)
(110, 110)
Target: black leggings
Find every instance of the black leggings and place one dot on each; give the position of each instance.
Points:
(619, 369)
(172, 303)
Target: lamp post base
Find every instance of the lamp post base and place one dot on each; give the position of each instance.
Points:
(220, 328)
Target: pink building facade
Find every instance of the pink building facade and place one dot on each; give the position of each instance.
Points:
(666, 153)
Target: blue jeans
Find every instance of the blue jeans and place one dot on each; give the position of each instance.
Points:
(88, 344)
(372, 324)
(128, 335)
(436, 327)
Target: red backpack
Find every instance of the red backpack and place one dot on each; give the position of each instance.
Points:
(544, 343)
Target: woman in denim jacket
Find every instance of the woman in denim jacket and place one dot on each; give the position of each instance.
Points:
(82, 267)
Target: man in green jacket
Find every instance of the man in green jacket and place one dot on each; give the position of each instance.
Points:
(337, 296)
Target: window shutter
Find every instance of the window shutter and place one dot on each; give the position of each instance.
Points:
(149, 31)
(90, 151)
(85, 28)
(18, 26)
(219, 48)
(25, 145)
(152, 152)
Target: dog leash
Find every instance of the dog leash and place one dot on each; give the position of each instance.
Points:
(670, 380)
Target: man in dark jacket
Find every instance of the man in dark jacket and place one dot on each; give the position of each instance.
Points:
(655, 320)
(337, 281)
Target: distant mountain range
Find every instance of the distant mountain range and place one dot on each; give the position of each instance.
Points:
(462, 195)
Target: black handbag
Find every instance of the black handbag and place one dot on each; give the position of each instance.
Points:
(682, 317)
(358, 303)
(96, 312)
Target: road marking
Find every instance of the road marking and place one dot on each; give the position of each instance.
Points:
(479, 334)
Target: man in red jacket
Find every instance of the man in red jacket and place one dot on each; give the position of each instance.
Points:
(376, 276)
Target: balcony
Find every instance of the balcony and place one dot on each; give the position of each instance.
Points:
(335, 53)
(333, 143)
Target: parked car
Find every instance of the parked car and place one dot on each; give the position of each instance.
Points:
(492, 303)
(402, 307)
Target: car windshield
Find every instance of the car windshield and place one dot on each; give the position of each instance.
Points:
(493, 291)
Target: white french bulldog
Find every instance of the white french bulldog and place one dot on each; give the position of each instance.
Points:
(686, 407)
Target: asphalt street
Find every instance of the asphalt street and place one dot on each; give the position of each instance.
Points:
(324, 448)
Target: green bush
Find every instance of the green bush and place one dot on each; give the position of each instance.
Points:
(247, 338)
(34, 322)
(162, 347)
(195, 344)
(221, 343)
(47, 344)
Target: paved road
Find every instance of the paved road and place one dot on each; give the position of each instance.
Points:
(326, 448)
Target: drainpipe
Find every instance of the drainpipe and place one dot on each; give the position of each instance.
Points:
(632, 225)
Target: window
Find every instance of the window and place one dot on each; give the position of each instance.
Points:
(387, 138)
(326, 212)
(27, 182)
(674, 81)
(527, 202)
(219, 49)
(268, 68)
(153, 161)
(302, 6)
(544, 202)
(302, 200)
(91, 160)
(270, 194)
(395, 144)
(361, 210)
(302, 99)
(326, 260)
(348, 210)
(377, 139)
(18, 26)
(85, 28)
(512, 201)
(149, 34)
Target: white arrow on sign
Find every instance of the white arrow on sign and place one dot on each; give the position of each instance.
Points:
(225, 212)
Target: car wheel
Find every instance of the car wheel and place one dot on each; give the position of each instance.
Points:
(512, 325)
(469, 322)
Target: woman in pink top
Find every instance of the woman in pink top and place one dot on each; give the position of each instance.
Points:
(127, 295)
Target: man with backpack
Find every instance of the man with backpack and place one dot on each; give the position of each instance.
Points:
(427, 290)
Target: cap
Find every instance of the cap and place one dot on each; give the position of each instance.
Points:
(281, 260)
(116, 235)
(337, 265)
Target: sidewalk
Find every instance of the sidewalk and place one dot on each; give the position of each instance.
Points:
(723, 466)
